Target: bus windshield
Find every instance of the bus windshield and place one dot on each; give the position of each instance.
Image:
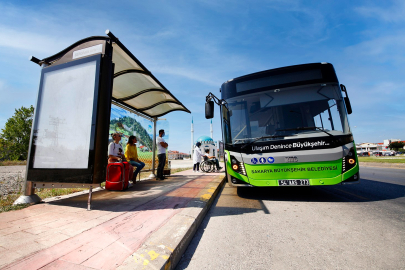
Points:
(287, 113)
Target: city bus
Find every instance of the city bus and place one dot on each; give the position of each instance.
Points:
(287, 127)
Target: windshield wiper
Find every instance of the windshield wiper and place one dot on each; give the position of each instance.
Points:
(264, 137)
(306, 128)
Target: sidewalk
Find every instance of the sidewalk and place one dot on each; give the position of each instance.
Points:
(147, 226)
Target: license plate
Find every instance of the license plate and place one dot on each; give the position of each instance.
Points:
(298, 182)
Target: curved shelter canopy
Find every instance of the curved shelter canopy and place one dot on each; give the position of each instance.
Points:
(134, 86)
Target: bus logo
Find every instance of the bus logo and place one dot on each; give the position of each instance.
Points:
(270, 160)
(253, 160)
(291, 159)
(262, 160)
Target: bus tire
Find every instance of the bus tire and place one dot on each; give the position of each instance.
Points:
(242, 191)
(226, 176)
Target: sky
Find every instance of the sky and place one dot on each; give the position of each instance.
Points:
(192, 47)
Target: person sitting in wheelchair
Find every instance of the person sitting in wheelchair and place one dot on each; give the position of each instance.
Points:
(212, 158)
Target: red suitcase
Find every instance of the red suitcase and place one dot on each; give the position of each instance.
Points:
(118, 174)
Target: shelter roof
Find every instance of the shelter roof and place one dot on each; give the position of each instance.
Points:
(134, 86)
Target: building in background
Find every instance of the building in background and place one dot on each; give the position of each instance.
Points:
(177, 155)
(366, 147)
(373, 147)
(206, 142)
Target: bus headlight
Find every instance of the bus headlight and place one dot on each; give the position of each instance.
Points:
(348, 161)
(238, 166)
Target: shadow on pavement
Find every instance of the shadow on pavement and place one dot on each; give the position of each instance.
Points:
(365, 191)
(144, 195)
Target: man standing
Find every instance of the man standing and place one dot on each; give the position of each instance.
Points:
(161, 146)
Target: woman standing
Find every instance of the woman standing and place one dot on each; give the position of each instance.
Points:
(197, 157)
(131, 153)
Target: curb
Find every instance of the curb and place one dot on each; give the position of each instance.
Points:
(165, 247)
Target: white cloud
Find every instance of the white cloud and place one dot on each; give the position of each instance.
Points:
(394, 13)
(30, 41)
(187, 73)
(385, 47)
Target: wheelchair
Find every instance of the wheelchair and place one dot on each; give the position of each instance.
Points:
(207, 165)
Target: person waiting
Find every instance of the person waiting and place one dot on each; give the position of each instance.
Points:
(131, 154)
(115, 149)
(214, 159)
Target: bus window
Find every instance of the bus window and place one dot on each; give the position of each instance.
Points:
(226, 125)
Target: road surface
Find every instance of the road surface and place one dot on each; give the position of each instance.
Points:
(358, 226)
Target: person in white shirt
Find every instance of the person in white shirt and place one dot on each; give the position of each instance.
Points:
(197, 157)
(161, 147)
(115, 149)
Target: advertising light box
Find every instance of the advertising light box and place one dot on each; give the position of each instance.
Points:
(64, 129)
(65, 109)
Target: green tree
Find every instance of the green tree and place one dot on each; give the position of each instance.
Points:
(15, 137)
(2, 147)
(396, 145)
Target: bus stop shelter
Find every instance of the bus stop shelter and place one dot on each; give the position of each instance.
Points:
(69, 137)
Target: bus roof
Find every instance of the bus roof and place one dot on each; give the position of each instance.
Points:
(322, 65)
(304, 74)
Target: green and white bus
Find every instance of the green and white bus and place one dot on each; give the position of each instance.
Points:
(287, 127)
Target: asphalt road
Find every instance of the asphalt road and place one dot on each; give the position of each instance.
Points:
(358, 226)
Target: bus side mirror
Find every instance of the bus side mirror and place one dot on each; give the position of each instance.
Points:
(209, 109)
(347, 101)
(348, 105)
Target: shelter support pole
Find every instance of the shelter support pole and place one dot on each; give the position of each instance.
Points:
(29, 188)
(89, 200)
(29, 191)
(152, 175)
(29, 194)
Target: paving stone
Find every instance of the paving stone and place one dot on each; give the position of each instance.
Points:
(60, 264)
(28, 248)
(113, 256)
(81, 254)
(16, 239)
(50, 240)
(8, 257)
(70, 237)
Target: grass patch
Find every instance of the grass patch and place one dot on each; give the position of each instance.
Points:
(13, 163)
(44, 193)
(6, 202)
(382, 159)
